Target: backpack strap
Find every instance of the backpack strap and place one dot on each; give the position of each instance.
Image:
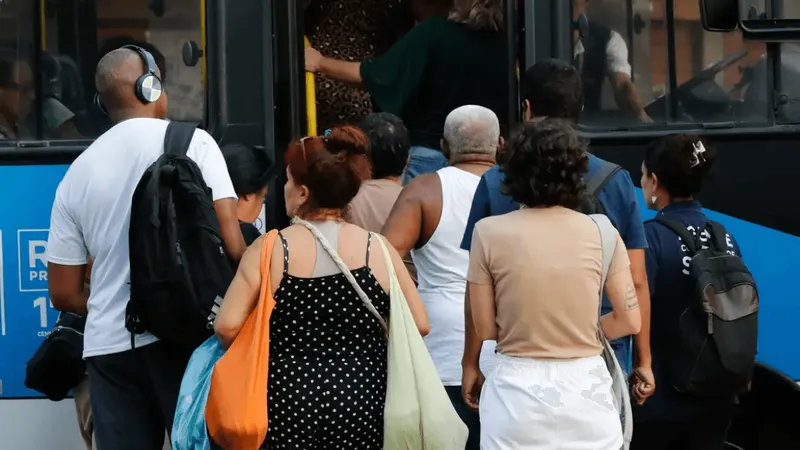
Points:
(178, 138)
(718, 235)
(680, 229)
(595, 182)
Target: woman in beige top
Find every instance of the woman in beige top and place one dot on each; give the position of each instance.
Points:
(534, 287)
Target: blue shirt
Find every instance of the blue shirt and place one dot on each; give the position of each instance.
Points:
(671, 289)
(618, 198)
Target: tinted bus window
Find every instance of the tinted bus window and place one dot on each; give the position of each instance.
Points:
(789, 105)
(720, 77)
(620, 59)
(16, 74)
(63, 43)
(632, 78)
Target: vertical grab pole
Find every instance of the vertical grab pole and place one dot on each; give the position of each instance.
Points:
(311, 99)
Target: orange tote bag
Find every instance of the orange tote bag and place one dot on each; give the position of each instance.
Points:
(236, 412)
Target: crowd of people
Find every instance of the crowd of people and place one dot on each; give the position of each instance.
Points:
(511, 286)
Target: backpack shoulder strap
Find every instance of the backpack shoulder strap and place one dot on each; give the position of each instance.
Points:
(718, 235)
(178, 138)
(680, 229)
(601, 176)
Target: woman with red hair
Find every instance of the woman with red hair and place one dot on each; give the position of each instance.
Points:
(327, 366)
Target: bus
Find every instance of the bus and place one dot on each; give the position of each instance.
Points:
(236, 68)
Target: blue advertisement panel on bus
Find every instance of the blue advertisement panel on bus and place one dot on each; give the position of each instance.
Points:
(26, 315)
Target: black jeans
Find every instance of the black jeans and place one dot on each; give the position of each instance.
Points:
(469, 417)
(134, 395)
(698, 433)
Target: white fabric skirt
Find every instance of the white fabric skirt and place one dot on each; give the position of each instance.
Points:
(544, 404)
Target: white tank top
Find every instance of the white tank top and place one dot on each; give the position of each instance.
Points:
(442, 274)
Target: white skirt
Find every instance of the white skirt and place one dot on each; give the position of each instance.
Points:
(544, 404)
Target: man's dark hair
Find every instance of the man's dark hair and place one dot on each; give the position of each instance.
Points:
(389, 144)
(250, 168)
(554, 89)
(545, 164)
(116, 42)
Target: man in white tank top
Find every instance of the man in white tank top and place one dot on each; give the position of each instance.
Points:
(428, 221)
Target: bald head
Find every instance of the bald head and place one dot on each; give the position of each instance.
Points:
(115, 79)
(472, 130)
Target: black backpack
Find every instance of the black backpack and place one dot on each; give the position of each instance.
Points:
(58, 365)
(179, 268)
(718, 333)
(594, 183)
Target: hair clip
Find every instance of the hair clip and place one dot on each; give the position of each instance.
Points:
(697, 154)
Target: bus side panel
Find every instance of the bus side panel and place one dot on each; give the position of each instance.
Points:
(26, 317)
(39, 425)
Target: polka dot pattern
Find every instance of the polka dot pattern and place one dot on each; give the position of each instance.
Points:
(327, 367)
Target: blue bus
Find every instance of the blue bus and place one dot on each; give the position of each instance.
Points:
(724, 69)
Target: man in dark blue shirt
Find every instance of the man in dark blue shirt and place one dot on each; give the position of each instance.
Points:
(552, 88)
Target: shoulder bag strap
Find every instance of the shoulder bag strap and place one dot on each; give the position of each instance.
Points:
(608, 236)
(343, 268)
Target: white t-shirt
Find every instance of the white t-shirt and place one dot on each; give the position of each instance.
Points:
(616, 54)
(91, 216)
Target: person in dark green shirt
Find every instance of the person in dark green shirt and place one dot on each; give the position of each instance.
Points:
(443, 63)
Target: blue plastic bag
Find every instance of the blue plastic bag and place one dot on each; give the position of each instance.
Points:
(189, 428)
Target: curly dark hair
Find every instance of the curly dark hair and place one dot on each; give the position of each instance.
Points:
(545, 165)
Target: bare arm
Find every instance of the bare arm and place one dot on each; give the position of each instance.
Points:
(626, 96)
(639, 275)
(403, 227)
(67, 286)
(484, 314)
(410, 292)
(344, 71)
(472, 341)
(229, 228)
(625, 318)
(242, 296)
(619, 75)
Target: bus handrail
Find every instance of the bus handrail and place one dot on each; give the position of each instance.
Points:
(311, 99)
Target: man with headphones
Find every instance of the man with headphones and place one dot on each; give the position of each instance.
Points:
(133, 381)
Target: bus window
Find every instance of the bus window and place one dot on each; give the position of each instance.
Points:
(789, 89)
(720, 77)
(17, 111)
(623, 50)
(75, 35)
(622, 60)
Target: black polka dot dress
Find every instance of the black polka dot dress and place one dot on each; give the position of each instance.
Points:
(327, 366)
